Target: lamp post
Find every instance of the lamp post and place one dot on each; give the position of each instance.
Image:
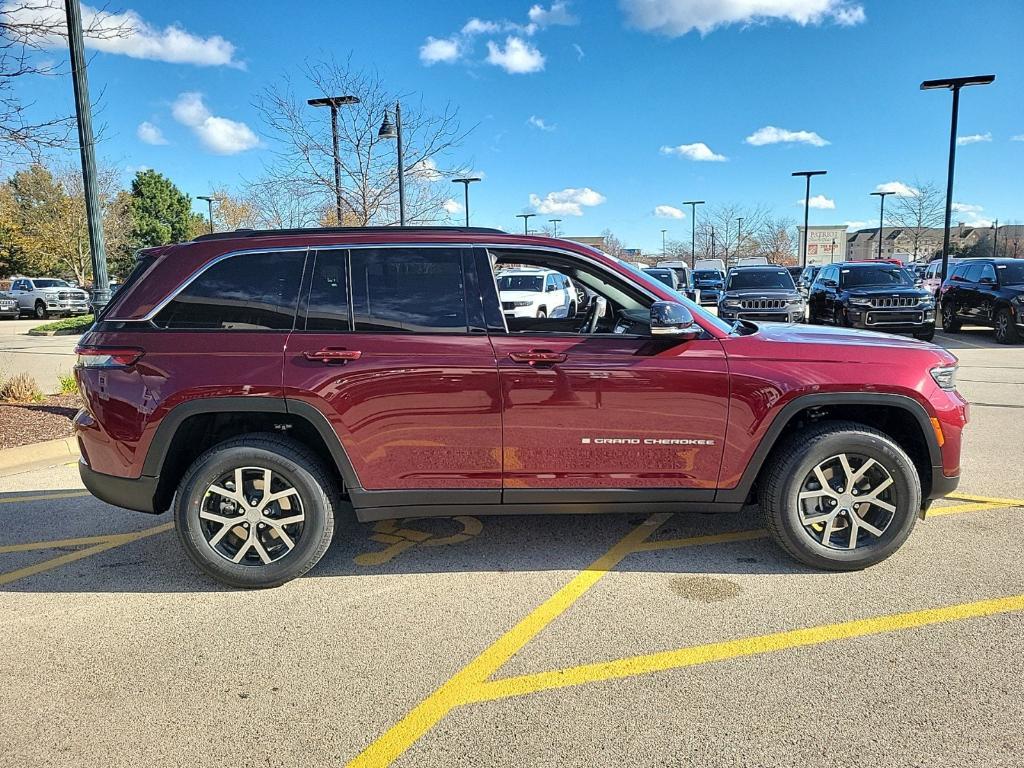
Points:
(389, 131)
(209, 204)
(881, 218)
(693, 228)
(739, 235)
(807, 208)
(83, 110)
(333, 102)
(526, 221)
(712, 243)
(663, 242)
(832, 253)
(465, 183)
(995, 238)
(554, 223)
(953, 84)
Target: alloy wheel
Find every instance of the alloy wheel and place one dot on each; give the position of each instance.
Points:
(1002, 326)
(847, 501)
(251, 516)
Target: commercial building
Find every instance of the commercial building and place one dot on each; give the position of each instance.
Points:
(825, 244)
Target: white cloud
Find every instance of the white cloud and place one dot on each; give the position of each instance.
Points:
(974, 138)
(1018, 137)
(966, 208)
(568, 202)
(772, 135)
(557, 15)
(150, 134)
(668, 212)
(140, 41)
(477, 26)
(820, 202)
(855, 224)
(897, 188)
(580, 55)
(540, 123)
(425, 169)
(443, 50)
(452, 207)
(678, 17)
(218, 134)
(518, 57)
(698, 151)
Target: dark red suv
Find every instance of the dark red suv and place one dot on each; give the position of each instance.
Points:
(258, 382)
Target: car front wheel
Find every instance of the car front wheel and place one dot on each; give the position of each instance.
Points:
(950, 322)
(256, 511)
(1006, 331)
(840, 496)
(40, 311)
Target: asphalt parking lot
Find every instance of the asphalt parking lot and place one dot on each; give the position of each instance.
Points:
(666, 640)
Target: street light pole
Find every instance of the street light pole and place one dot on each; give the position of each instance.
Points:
(466, 182)
(712, 243)
(739, 235)
(807, 208)
(389, 131)
(209, 204)
(881, 218)
(555, 223)
(995, 238)
(693, 228)
(526, 221)
(953, 84)
(333, 102)
(83, 109)
(663, 242)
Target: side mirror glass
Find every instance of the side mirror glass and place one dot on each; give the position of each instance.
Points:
(671, 319)
(987, 281)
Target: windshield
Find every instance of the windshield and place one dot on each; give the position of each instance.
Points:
(707, 274)
(1010, 274)
(663, 275)
(760, 278)
(875, 275)
(49, 284)
(533, 283)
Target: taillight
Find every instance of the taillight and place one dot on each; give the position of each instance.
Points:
(107, 357)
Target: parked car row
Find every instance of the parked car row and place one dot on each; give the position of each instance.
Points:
(985, 292)
(42, 297)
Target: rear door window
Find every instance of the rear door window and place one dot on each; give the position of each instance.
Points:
(408, 290)
(247, 292)
(327, 308)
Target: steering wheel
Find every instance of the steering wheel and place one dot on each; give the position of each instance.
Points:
(596, 310)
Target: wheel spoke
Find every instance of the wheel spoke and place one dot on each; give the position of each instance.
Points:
(817, 494)
(880, 504)
(281, 495)
(259, 548)
(878, 489)
(279, 521)
(844, 460)
(868, 526)
(863, 468)
(268, 477)
(215, 540)
(821, 479)
(218, 518)
(242, 550)
(223, 492)
(826, 536)
(282, 535)
(854, 524)
(815, 519)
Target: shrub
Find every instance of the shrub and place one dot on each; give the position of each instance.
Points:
(20, 388)
(68, 385)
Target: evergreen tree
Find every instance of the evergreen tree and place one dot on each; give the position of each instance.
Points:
(161, 213)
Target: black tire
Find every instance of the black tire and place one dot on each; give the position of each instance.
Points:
(1006, 331)
(317, 492)
(542, 313)
(572, 309)
(925, 335)
(40, 311)
(812, 319)
(950, 322)
(794, 461)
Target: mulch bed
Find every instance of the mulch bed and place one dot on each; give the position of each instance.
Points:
(24, 423)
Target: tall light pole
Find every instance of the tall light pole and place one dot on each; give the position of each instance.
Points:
(554, 223)
(663, 242)
(712, 243)
(209, 204)
(333, 102)
(83, 110)
(995, 238)
(739, 235)
(881, 218)
(807, 208)
(953, 84)
(389, 131)
(526, 221)
(465, 183)
(693, 228)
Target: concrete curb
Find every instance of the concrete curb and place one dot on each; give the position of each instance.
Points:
(61, 332)
(12, 459)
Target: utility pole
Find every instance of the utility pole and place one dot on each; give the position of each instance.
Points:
(209, 204)
(389, 131)
(881, 218)
(554, 224)
(807, 208)
(663, 242)
(526, 221)
(466, 182)
(712, 242)
(739, 235)
(83, 110)
(693, 229)
(333, 102)
(995, 239)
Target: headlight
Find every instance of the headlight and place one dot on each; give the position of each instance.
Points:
(927, 302)
(945, 376)
(860, 302)
(732, 303)
(50, 295)
(797, 301)
(522, 303)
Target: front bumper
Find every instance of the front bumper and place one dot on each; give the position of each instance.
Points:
(530, 311)
(906, 320)
(791, 315)
(10, 312)
(136, 493)
(709, 296)
(67, 307)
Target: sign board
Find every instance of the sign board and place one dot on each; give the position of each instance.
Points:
(825, 244)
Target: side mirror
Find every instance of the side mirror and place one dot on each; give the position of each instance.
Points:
(987, 281)
(830, 283)
(671, 319)
(918, 282)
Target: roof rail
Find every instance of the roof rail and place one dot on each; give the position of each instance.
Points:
(339, 231)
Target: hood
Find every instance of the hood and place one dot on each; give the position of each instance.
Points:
(518, 295)
(761, 293)
(827, 336)
(869, 291)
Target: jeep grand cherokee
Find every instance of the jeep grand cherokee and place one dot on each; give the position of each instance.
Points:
(254, 382)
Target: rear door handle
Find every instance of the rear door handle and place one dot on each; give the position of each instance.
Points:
(328, 355)
(538, 356)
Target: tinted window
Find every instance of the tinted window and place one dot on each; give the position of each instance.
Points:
(760, 278)
(972, 273)
(987, 270)
(247, 292)
(327, 308)
(51, 284)
(519, 283)
(875, 275)
(408, 289)
(1011, 274)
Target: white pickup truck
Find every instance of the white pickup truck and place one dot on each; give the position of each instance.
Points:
(45, 296)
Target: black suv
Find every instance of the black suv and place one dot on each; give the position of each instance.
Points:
(761, 292)
(985, 292)
(708, 283)
(878, 296)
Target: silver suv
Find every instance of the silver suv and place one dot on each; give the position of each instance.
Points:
(45, 296)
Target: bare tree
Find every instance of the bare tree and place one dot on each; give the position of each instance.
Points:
(369, 180)
(918, 212)
(27, 27)
(775, 240)
(731, 239)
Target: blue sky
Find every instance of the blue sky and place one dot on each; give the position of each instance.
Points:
(578, 105)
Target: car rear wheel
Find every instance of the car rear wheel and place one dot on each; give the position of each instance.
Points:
(950, 323)
(572, 309)
(1006, 331)
(925, 335)
(256, 511)
(40, 311)
(840, 496)
(542, 313)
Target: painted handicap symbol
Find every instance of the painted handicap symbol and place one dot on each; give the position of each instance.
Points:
(399, 539)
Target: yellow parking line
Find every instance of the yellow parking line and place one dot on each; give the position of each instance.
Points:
(45, 497)
(987, 499)
(732, 649)
(460, 687)
(716, 538)
(57, 543)
(957, 509)
(110, 542)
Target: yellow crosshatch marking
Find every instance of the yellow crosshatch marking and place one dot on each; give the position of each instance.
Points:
(401, 539)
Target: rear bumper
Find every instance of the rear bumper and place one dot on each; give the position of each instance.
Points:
(131, 493)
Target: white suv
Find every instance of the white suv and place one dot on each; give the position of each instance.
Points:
(536, 293)
(45, 296)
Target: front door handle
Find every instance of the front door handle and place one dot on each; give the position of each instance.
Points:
(538, 357)
(328, 355)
